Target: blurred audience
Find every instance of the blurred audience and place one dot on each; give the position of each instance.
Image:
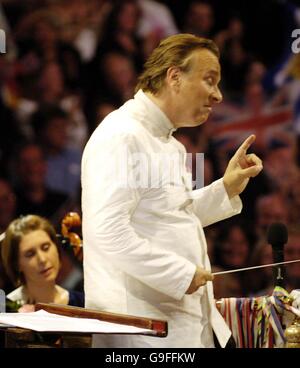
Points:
(260, 281)
(118, 76)
(227, 285)
(70, 63)
(33, 195)
(7, 204)
(51, 125)
(233, 246)
(280, 165)
(235, 59)
(270, 208)
(292, 252)
(232, 249)
(294, 202)
(199, 19)
(120, 32)
(156, 22)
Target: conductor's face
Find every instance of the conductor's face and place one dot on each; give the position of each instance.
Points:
(197, 90)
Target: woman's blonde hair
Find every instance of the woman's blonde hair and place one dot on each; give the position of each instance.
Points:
(13, 236)
(172, 51)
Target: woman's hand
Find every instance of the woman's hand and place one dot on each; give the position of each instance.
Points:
(26, 308)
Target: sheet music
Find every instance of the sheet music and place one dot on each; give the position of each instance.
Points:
(43, 321)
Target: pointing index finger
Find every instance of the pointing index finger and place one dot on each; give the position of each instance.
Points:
(245, 145)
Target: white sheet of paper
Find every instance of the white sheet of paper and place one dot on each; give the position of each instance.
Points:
(44, 321)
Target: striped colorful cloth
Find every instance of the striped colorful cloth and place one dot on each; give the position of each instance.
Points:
(259, 322)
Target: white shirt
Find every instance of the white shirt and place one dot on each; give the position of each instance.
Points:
(141, 244)
(20, 294)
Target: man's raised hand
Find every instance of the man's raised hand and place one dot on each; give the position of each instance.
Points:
(241, 167)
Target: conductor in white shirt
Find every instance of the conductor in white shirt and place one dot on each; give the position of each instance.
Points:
(145, 252)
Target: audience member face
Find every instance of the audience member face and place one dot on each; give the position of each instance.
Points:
(236, 28)
(254, 98)
(235, 250)
(38, 258)
(103, 109)
(271, 209)
(260, 281)
(227, 286)
(256, 73)
(292, 252)
(51, 81)
(120, 73)
(128, 18)
(280, 157)
(44, 33)
(295, 192)
(32, 166)
(200, 18)
(7, 204)
(266, 258)
(266, 254)
(56, 133)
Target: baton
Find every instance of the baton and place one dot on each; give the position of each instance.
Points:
(254, 267)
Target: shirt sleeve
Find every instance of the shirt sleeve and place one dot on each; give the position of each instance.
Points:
(212, 204)
(110, 195)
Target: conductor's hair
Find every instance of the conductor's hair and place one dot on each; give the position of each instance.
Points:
(176, 51)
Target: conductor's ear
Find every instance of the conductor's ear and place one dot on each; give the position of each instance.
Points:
(173, 77)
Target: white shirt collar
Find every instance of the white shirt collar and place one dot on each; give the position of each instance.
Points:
(18, 294)
(157, 121)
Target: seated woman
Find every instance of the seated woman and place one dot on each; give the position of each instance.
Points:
(31, 258)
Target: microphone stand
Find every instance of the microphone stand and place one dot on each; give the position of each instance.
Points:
(279, 270)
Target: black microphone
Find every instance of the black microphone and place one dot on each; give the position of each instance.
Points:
(277, 237)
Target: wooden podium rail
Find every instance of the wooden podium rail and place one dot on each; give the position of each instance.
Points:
(16, 337)
(158, 326)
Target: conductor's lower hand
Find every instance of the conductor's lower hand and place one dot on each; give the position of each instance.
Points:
(241, 168)
(200, 279)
